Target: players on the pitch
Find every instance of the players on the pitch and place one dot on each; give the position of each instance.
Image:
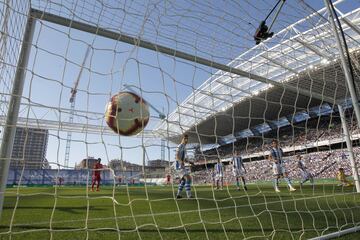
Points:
(219, 177)
(239, 169)
(276, 156)
(341, 177)
(185, 178)
(213, 177)
(168, 179)
(306, 175)
(96, 178)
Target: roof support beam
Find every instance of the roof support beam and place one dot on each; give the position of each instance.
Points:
(185, 114)
(200, 106)
(276, 62)
(312, 48)
(352, 26)
(168, 51)
(234, 87)
(348, 22)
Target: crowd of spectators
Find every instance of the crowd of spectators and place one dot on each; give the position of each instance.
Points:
(302, 133)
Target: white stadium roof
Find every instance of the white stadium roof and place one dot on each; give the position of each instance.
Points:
(303, 57)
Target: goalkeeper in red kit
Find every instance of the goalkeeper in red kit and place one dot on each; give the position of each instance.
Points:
(96, 175)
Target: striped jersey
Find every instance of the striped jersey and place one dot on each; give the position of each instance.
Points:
(301, 165)
(180, 155)
(219, 168)
(238, 162)
(277, 154)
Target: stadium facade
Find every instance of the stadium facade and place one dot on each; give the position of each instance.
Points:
(158, 163)
(86, 163)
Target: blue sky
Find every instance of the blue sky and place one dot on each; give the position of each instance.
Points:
(198, 28)
(51, 83)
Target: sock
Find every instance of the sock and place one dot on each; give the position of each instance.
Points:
(181, 186)
(287, 180)
(243, 180)
(188, 188)
(276, 182)
(237, 182)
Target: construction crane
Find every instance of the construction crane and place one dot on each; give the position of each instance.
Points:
(72, 109)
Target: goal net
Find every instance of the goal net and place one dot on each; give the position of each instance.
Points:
(273, 137)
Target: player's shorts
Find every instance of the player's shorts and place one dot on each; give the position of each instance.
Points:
(96, 178)
(306, 175)
(238, 172)
(181, 172)
(278, 169)
(219, 176)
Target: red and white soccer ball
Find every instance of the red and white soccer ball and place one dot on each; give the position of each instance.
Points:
(127, 114)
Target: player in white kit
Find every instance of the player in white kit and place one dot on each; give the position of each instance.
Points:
(306, 175)
(219, 169)
(183, 172)
(276, 157)
(239, 169)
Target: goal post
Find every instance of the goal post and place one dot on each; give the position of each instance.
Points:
(354, 98)
(269, 126)
(14, 106)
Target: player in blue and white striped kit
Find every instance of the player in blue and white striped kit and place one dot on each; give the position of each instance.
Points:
(306, 175)
(219, 169)
(276, 155)
(185, 180)
(239, 169)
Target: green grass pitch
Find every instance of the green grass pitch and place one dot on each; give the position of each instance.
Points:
(155, 214)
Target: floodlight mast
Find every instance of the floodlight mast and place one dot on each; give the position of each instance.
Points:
(72, 109)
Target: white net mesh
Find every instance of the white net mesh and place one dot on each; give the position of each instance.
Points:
(232, 96)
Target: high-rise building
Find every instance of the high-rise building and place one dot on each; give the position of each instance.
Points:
(29, 149)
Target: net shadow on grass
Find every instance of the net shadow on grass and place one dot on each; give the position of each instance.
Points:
(63, 209)
(145, 229)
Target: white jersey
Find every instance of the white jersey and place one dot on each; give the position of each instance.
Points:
(301, 166)
(219, 169)
(304, 172)
(180, 158)
(238, 167)
(277, 154)
(181, 152)
(238, 162)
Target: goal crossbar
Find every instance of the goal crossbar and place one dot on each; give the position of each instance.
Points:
(66, 22)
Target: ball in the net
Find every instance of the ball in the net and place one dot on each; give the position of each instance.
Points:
(127, 114)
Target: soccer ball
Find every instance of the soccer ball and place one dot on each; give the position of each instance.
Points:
(127, 114)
